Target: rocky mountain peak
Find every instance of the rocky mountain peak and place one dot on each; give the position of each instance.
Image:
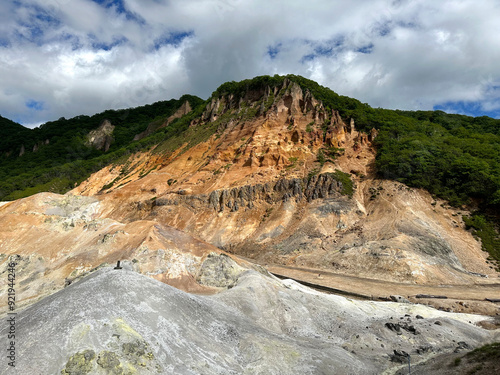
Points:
(259, 99)
(283, 178)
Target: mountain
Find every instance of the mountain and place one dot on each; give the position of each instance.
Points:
(285, 180)
(274, 174)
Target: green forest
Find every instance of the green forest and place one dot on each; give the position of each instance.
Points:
(62, 159)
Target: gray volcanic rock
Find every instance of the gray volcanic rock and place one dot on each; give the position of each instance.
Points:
(121, 322)
(322, 186)
(219, 270)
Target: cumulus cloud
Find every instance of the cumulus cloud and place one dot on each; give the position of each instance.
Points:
(70, 57)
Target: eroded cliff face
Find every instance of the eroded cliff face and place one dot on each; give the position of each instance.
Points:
(102, 137)
(273, 184)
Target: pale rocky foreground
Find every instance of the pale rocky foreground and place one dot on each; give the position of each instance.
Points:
(122, 322)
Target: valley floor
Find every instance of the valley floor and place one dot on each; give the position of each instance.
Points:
(459, 298)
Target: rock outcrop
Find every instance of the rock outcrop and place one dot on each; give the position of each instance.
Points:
(184, 109)
(40, 144)
(315, 187)
(102, 137)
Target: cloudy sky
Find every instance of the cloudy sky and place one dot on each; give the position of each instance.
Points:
(69, 57)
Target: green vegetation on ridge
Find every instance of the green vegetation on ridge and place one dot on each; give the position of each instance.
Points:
(66, 160)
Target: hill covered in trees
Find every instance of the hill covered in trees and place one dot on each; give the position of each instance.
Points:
(55, 156)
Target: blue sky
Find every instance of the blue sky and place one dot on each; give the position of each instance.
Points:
(69, 57)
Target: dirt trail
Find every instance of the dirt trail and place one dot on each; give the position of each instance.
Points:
(459, 298)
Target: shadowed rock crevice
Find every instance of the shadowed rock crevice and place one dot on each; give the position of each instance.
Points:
(320, 186)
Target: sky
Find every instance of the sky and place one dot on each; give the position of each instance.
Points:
(63, 58)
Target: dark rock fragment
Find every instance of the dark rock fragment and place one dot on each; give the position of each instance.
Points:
(399, 356)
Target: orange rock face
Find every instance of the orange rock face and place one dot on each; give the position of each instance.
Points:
(385, 230)
(267, 186)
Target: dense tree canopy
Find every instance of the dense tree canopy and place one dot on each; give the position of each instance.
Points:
(62, 158)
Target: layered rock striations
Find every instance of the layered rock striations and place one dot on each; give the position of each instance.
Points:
(315, 187)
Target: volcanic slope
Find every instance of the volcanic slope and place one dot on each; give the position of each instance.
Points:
(55, 240)
(285, 180)
(118, 321)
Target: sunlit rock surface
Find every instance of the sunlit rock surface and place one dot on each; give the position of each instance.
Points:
(121, 322)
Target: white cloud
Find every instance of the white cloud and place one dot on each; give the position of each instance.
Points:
(77, 56)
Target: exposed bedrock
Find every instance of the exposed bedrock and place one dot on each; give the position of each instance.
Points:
(316, 187)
